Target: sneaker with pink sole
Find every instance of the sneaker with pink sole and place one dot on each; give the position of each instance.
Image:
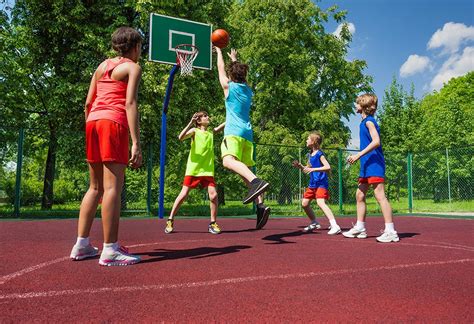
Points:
(120, 257)
(83, 252)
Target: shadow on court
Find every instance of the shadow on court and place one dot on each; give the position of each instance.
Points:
(279, 238)
(197, 253)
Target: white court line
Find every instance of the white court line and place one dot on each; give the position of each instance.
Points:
(6, 278)
(11, 276)
(70, 292)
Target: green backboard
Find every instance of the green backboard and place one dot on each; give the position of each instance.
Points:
(168, 32)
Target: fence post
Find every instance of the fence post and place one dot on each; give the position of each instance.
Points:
(449, 177)
(149, 177)
(254, 170)
(19, 163)
(339, 170)
(410, 182)
(299, 178)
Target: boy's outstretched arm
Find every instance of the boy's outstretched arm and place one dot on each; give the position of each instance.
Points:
(188, 131)
(223, 79)
(372, 146)
(219, 128)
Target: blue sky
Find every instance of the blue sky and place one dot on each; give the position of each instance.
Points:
(424, 42)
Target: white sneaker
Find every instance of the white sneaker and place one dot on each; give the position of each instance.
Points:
(355, 232)
(334, 230)
(83, 252)
(120, 257)
(388, 237)
(312, 227)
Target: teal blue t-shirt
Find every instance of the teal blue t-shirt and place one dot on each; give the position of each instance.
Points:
(237, 106)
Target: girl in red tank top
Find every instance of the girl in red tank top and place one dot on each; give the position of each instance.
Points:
(111, 113)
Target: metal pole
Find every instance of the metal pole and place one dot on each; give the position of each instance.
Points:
(149, 177)
(449, 178)
(19, 163)
(254, 170)
(299, 176)
(339, 169)
(161, 199)
(410, 182)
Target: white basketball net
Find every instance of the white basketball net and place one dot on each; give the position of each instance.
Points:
(186, 54)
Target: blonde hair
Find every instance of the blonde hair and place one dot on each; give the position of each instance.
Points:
(317, 139)
(199, 115)
(368, 102)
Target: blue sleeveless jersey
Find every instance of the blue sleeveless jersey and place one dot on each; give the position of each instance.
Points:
(373, 163)
(317, 179)
(237, 107)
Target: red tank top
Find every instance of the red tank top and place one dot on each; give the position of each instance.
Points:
(110, 97)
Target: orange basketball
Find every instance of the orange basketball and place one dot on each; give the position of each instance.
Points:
(220, 38)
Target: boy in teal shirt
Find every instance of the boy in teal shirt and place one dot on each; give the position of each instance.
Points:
(237, 146)
(200, 167)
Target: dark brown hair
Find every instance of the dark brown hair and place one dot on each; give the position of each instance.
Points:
(199, 115)
(237, 72)
(124, 39)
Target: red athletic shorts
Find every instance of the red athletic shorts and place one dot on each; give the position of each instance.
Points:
(371, 180)
(106, 141)
(316, 193)
(193, 182)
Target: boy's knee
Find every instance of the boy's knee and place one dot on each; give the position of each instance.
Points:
(360, 196)
(213, 196)
(305, 203)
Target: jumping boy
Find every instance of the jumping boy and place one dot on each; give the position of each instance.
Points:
(237, 146)
(200, 167)
(372, 171)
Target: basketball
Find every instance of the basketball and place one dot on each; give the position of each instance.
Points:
(220, 38)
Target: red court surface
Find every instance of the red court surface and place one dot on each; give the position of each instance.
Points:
(275, 275)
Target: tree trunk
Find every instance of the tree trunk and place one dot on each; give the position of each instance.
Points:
(48, 194)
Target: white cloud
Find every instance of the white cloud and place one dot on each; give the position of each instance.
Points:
(451, 37)
(414, 64)
(456, 65)
(351, 26)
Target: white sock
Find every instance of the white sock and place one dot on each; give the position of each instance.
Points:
(82, 241)
(360, 225)
(110, 247)
(389, 227)
(333, 223)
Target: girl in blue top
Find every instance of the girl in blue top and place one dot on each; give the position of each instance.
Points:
(372, 171)
(317, 168)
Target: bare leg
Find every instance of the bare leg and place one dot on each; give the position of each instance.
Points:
(179, 200)
(231, 163)
(113, 183)
(214, 202)
(90, 200)
(360, 199)
(379, 193)
(324, 207)
(306, 204)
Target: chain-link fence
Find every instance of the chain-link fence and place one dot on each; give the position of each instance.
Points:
(431, 182)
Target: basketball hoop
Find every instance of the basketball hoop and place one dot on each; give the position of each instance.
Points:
(185, 56)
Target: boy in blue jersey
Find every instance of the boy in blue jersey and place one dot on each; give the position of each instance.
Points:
(237, 146)
(317, 168)
(372, 171)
